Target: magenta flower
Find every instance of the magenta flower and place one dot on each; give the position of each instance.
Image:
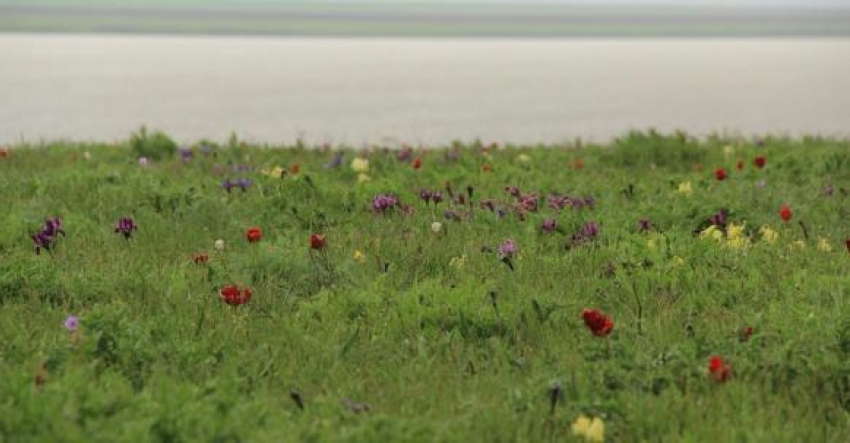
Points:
(46, 238)
(507, 249)
(548, 225)
(384, 202)
(126, 226)
(72, 323)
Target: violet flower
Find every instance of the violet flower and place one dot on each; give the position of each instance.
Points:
(72, 323)
(335, 162)
(45, 238)
(548, 225)
(437, 197)
(186, 155)
(126, 226)
(227, 185)
(42, 241)
(383, 202)
(507, 251)
(425, 195)
(243, 183)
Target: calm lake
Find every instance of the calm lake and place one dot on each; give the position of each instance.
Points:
(102, 87)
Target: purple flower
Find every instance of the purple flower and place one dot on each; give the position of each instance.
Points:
(404, 154)
(52, 227)
(72, 323)
(126, 226)
(590, 230)
(437, 197)
(513, 190)
(425, 195)
(548, 225)
(383, 202)
(644, 225)
(557, 203)
(243, 183)
(507, 249)
(528, 202)
(828, 191)
(143, 161)
(719, 218)
(42, 241)
(186, 154)
(502, 212)
(335, 162)
(45, 238)
(227, 185)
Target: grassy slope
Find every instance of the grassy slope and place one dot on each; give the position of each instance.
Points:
(159, 357)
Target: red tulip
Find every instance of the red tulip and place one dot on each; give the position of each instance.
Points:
(598, 323)
(785, 212)
(318, 241)
(740, 165)
(254, 235)
(720, 174)
(233, 296)
(201, 258)
(719, 370)
(417, 163)
(760, 161)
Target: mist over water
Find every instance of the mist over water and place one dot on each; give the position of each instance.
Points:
(431, 91)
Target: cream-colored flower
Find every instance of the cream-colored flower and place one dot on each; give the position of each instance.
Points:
(823, 245)
(87, 155)
(768, 234)
(436, 227)
(728, 151)
(523, 158)
(360, 164)
(685, 188)
(592, 429)
(363, 178)
(276, 172)
(219, 245)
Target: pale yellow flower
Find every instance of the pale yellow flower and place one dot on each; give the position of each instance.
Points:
(458, 262)
(436, 227)
(799, 244)
(523, 158)
(735, 237)
(276, 172)
(676, 261)
(712, 232)
(360, 164)
(685, 188)
(359, 255)
(363, 178)
(592, 429)
(768, 234)
(823, 245)
(728, 150)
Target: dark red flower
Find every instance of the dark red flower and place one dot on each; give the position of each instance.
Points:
(719, 370)
(598, 323)
(785, 213)
(720, 174)
(254, 235)
(201, 258)
(417, 163)
(760, 161)
(746, 333)
(318, 241)
(233, 296)
(740, 165)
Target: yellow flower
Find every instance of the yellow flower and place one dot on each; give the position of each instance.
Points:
(685, 188)
(276, 172)
(712, 232)
(591, 429)
(360, 164)
(799, 244)
(823, 245)
(728, 150)
(458, 262)
(359, 256)
(363, 178)
(523, 158)
(676, 261)
(735, 236)
(768, 234)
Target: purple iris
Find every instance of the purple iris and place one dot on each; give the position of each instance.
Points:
(383, 202)
(243, 183)
(437, 197)
(227, 185)
(46, 238)
(126, 226)
(644, 225)
(548, 225)
(425, 195)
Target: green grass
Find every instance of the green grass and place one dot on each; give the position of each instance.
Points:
(159, 357)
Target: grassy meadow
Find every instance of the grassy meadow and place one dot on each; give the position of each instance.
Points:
(377, 314)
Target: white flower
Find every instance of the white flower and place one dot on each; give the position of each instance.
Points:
(219, 245)
(436, 227)
(143, 161)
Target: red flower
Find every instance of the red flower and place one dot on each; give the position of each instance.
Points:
(785, 212)
(760, 161)
(201, 258)
(254, 235)
(233, 296)
(295, 169)
(598, 323)
(318, 241)
(487, 167)
(719, 370)
(746, 333)
(740, 165)
(720, 174)
(417, 163)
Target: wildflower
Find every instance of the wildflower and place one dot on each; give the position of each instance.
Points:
(513, 190)
(548, 225)
(437, 197)
(761, 184)
(823, 245)
(227, 185)
(335, 162)
(359, 255)
(799, 245)
(243, 183)
(436, 227)
(470, 191)
(785, 213)
(768, 234)
(746, 333)
(712, 232)
(487, 167)
(201, 258)
(186, 155)
(126, 226)
(417, 163)
(5, 152)
(383, 202)
(720, 174)
(42, 241)
(685, 189)
(740, 165)
(276, 172)
(578, 165)
(760, 161)
(644, 225)
(507, 249)
(360, 164)
(735, 236)
(233, 296)
(87, 155)
(458, 262)
(676, 261)
(591, 429)
(72, 323)
(528, 202)
(590, 230)
(405, 154)
(143, 161)
(598, 323)
(219, 245)
(295, 169)
(719, 370)
(253, 235)
(363, 178)
(728, 150)
(425, 195)
(828, 190)
(318, 242)
(719, 218)
(523, 158)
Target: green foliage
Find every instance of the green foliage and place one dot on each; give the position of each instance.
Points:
(156, 145)
(437, 336)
